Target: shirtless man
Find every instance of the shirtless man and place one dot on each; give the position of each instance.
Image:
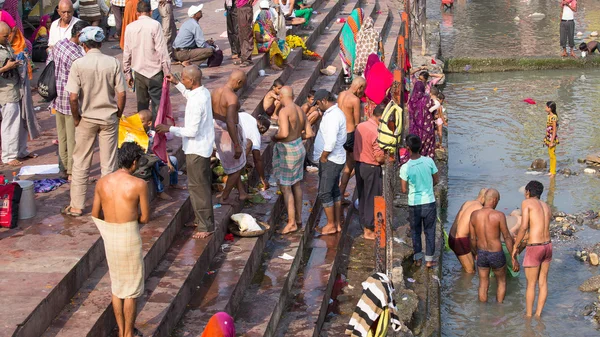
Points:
(458, 238)
(118, 196)
(229, 136)
(349, 102)
(538, 254)
(271, 102)
(288, 157)
(486, 226)
(311, 111)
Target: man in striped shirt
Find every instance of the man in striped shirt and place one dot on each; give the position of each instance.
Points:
(63, 54)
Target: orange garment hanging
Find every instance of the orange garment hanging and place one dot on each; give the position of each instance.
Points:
(129, 16)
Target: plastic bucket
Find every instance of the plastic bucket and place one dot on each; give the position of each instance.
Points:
(27, 205)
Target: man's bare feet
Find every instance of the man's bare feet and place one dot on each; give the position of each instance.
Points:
(418, 263)
(201, 235)
(186, 63)
(289, 228)
(430, 264)
(178, 187)
(243, 195)
(564, 53)
(327, 229)
(164, 196)
(15, 162)
(573, 54)
(368, 234)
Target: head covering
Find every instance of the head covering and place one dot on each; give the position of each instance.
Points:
(321, 94)
(264, 4)
(8, 19)
(194, 9)
(91, 33)
(43, 21)
(367, 43)
(219, 325)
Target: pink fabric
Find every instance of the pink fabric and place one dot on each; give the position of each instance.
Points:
(379, 80)
(163, 116)
(8, 19)
(373, 58)
(529, 100)
(43, 22)
(219, 325)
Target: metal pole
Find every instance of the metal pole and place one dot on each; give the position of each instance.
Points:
(423, 22)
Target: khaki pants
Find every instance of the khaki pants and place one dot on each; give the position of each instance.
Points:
(245, 33)
(65, 127)
(193, 55)
(200, 189)
(168, 25)
(85, 137)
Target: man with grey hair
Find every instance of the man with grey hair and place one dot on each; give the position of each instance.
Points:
(94, 81)
(61, 28)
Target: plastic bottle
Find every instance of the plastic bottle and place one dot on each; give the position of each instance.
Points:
(15, 177)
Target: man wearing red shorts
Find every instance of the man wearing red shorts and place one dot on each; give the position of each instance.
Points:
(538, 254)
(458, 238)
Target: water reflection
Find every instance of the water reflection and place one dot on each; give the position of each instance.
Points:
(493, 138)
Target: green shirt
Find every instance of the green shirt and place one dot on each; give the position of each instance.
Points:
(419, 175)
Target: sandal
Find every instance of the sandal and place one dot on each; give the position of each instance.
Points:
(67, 211)
(237, 62)
(246, 64)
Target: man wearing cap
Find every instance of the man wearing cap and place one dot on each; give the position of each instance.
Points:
(145, 53)
(190, 45)
(96, 87)
(330, 154)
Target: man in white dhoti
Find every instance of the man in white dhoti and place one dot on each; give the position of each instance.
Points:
(117, 198)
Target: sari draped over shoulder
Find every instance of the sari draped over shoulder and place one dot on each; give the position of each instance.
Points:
(421, 120)
(277, 48)
(348, 38)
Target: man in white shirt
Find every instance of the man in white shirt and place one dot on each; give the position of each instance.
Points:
(198, 136)
(567, 26)
(330, 154)
(61, 28)
(253, 129)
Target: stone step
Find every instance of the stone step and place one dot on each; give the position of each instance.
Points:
(234, 272)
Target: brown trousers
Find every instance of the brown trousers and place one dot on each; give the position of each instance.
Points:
(168, 25)
(245, 17)
(85, 137)
(193, 55)
(200, 189)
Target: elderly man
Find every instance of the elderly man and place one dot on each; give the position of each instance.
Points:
(14, 137)
(94, 81)
(330, 154)
(198, 136)
(146, 54)
(118, 197)
(190, 45)
(64, 53)
(61, 28)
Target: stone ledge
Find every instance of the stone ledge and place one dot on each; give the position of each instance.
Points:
(479, 65)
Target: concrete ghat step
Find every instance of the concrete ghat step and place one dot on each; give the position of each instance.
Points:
(225, 289)
(216, 77)
(90, 313)
(173, 284)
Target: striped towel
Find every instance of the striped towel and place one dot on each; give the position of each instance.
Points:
(288, 162)
(123, 247)
(376, 301)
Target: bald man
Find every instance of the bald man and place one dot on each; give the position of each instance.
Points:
(349, 102)
(198, 138)
(288, 157)
(458, 238)
(487, 225)
(229, 136)
(61, 28)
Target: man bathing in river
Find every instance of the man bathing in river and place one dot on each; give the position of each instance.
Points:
(538, 253)
(458, 238)
(486, 226)
(229, 136)
(288, 157)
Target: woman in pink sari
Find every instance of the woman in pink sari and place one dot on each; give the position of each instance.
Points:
(11, 7)
(421, 120)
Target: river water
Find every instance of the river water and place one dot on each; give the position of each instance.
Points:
(493, 138)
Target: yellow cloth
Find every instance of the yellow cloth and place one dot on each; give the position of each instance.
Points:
(123, 248)
(42, 32)
(382, 325)
(132, 130)
(552, 154)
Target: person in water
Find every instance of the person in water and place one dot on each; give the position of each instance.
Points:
(538, 253)
(551, 139)
(458, 238)
(589, 48)
(486, 226)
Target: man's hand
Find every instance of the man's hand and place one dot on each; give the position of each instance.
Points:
(12, 64)
(172, 79)
(323, 158)
(516, 266)
(130, 82)
(161, 128)
(238, 151)
(76, 121)
(210, 42)
(171, 167)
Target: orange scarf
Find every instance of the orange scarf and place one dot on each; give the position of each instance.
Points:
(129, 16)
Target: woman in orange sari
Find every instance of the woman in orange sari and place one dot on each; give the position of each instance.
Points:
(129, 16)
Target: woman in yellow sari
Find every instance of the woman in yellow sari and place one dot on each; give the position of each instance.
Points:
(266, 40)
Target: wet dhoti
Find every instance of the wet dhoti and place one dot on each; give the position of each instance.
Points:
(225, 148)
(288, 162)
(123, 247)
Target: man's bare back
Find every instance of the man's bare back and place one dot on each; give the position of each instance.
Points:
(537, 214)
(489, 224)
(293, 118)
(350, 105)
(460, 227)
(118, 196)
(222, 98)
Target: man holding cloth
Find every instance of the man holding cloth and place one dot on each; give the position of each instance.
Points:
(369, 157)
(189, 45)
(146, 54)
(97, 97)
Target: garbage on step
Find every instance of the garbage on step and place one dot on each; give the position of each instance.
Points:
(330, 70)
(286, 256)
(245, 225)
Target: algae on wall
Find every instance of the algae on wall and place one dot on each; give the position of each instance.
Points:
(479, 65)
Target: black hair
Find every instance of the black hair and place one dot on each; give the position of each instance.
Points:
(425, 75)
(277, 83)
(128, 154)
(311, 94)
(93, 44)
(144, 7)
(434, 90)
(331, 98)
(378, 111)
(441, 96)
(263, 123)
(535, 189)
(552, 106)
(414, 143)
(78, 27)
(583, 46)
